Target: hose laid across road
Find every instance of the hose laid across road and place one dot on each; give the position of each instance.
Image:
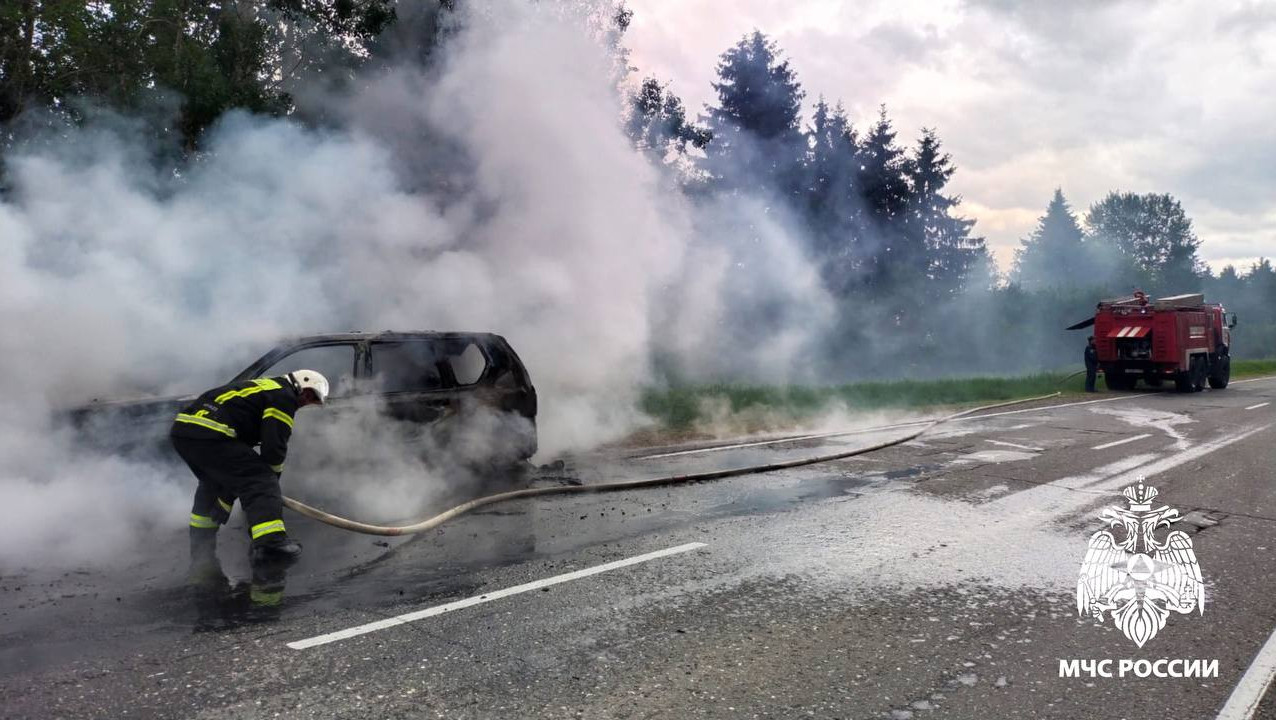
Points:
(437, 520)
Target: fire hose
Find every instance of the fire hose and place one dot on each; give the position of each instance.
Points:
(1066, 379)
(1079, 372)
(454, 512)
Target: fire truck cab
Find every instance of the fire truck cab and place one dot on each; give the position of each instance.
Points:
(1180, 338)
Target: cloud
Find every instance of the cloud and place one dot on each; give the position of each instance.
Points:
(1092, 96)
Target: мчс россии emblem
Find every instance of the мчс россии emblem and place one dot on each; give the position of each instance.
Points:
(1137, 579)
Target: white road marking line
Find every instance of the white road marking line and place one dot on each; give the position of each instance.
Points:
(1255, 407)
(800, 438)
(776, 441)
(1169, 462)
(488, 597)
(1098, 474)
(1244, 700)
(1105, 446)
(1057, 496)
(1013, 445)
(968, 418)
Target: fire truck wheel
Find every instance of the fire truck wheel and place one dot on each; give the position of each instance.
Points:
(1222, 373)
(1199, 373)
(1183, 381)
(1117, 381)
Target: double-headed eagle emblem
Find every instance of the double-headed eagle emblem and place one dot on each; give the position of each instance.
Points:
(1137, 579)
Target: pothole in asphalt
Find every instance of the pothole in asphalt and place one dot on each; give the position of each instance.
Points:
(1198, 520)
(909, 472)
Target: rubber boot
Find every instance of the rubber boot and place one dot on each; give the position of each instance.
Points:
(275, 548)
(203, 544)
(267, 590)
(204, 568)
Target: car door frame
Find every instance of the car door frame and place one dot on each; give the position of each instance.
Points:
(360, 369)
(411, 405)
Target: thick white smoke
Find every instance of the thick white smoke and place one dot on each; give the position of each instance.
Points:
(497, 193)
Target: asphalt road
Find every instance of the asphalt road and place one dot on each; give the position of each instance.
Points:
(935, 579)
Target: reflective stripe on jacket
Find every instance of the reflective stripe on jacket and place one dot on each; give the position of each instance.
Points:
(255, 412)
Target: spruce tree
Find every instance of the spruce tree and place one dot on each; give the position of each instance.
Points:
(757, 140)
(833, 205)
(1055, 254)
(832, 163)
(950, 254)
(888, 256)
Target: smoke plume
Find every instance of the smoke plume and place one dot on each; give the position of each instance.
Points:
(494, 191)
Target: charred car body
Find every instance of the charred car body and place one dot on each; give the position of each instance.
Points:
(428, 384)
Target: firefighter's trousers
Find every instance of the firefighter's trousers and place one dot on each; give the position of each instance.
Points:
(229, 469)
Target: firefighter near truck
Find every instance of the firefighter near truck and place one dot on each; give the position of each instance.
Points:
(1180, 339)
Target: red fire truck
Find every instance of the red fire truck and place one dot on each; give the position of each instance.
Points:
(1180, 338)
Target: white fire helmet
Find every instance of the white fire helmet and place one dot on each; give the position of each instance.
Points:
(310, 379)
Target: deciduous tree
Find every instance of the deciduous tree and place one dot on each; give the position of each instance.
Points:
(1153, 235)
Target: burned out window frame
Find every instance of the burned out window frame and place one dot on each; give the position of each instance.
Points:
(442, 346)
(465, 345)
(372, 369)
(359, 364)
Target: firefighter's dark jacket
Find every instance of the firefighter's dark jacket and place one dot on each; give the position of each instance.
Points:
(1091, 357)
(252, 411)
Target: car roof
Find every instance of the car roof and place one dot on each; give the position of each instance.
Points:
(385, 335)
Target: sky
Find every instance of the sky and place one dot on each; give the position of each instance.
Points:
(1087, 95)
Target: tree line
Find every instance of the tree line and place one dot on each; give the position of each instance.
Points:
(876, 216)
(178, 62)
(914, 283)
(888, 236)
(1127, 241)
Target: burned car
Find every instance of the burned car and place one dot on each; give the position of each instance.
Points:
(427, 385)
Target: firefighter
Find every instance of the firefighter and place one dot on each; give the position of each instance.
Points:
(215, 435)
(1091, 364)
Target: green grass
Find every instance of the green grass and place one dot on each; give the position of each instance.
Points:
(686, 406)
(1253, 368)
